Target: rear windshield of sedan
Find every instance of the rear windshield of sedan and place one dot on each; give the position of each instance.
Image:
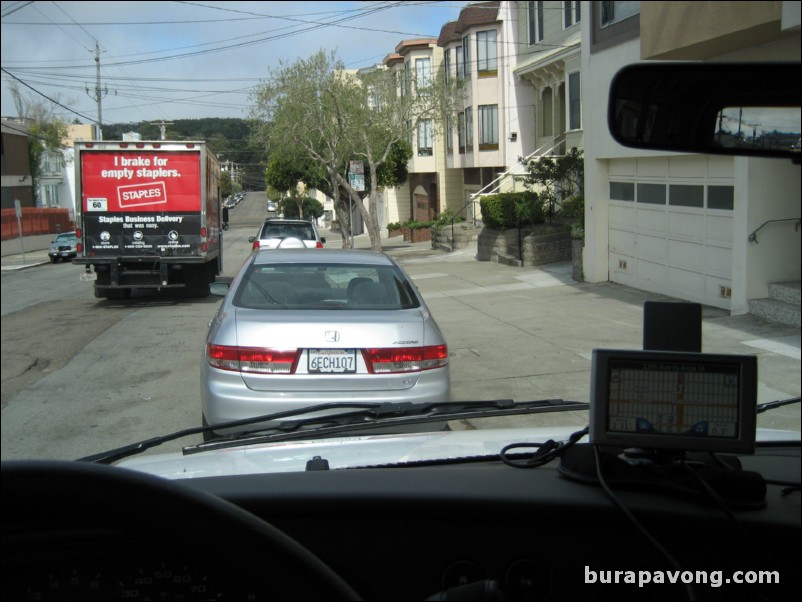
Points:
(302, 231)
(347, 287)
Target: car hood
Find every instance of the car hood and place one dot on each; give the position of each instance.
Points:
(362, 451)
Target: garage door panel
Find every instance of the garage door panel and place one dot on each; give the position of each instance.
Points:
(686, 225)
(684, 253)
(652, 247)
(718, 260)
(686, 284)
(647, 219)
(718, 228)
(650, 272)
(622, 241)
(622, 216)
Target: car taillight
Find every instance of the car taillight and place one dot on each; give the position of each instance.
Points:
(256, 245)
(405, 359)
(318, 245)
(253, 360)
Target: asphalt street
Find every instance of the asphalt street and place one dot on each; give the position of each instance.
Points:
(528, 333)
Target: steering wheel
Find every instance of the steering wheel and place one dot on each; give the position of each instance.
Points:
(74, 507)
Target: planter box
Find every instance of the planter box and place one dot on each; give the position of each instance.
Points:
(394, 232)
(421, 234)
(529, 248)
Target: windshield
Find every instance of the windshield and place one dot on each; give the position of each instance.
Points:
(350, 286)
(303, 231)
(520, 236)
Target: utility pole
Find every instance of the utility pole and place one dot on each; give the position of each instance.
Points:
(99, 94)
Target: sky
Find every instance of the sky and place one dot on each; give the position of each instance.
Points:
(161, 61)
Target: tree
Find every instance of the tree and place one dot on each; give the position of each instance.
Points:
(334, 116)
(557, 179)
(288, 173)
(304, 207)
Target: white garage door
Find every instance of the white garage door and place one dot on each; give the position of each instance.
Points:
(670, 227)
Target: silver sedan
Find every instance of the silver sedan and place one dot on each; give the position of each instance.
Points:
(304, 327)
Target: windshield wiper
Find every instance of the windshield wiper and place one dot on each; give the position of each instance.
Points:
(770, 405)
(365, 416)
(384, 415)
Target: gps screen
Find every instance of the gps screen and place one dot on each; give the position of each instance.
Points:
(673, 398)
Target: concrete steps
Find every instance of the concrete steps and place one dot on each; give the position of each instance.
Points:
(782, 305)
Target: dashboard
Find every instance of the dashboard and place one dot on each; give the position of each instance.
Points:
(462, 531)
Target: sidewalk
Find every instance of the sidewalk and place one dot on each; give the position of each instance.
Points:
(391, 246)
(27, 260)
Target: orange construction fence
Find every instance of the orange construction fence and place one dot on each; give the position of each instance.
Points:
(36, 220)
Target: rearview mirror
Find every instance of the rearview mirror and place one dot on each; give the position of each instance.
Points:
(713, 108)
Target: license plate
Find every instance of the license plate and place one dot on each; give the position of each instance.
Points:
(331, 361)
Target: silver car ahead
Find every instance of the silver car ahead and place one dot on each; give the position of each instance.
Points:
(304, 327)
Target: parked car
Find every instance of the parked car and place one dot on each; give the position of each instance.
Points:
(272, 206)
(287, 234)
(65, 246)
(299, 328)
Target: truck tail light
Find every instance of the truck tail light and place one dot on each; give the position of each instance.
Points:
(318, 245)
(253, 360)
(405, 359)
(256, 245)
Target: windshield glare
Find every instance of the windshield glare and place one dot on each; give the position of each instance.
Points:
(520, 232)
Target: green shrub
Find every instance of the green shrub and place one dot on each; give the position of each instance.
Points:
(511, 209)
(413, 225)
(574, 208)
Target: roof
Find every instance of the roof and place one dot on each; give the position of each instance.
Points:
(406, 46)
(479, 13)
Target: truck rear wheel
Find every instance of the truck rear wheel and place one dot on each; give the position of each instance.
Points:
(197, 278)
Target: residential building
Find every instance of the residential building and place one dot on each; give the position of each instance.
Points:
(15, 168)
(547, 42)
(414, 65)
(679, 224)
(475, 51)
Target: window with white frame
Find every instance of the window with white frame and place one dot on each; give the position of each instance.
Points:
(460, 66)
(461, 132)
(572, 13)
(574, 101)
(447, 64)
(425, 138)
(423, 75)
(613, 12)
(486, 52)
(50, 196)
(534, 18)
(406, 79)
(466, 56)
(449, 135)
(51, 163)
(469, 129)
(488, 127)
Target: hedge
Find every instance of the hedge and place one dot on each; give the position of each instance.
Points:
(511, 209)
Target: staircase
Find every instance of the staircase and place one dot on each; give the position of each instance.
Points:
(782, 305)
